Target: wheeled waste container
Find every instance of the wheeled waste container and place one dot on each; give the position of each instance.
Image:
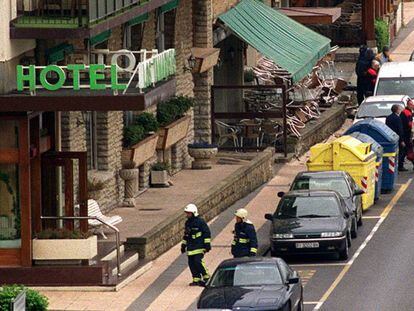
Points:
(388, 139)
(350, 155)
(378, 150)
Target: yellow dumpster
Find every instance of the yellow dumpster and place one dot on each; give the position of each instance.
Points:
(350, 155)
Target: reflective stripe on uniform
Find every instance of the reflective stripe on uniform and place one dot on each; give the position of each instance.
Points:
(233, 243)
(253, 250)
(196, 279)
(244, 241)
(207, 275)
(184, 242)
(195, 252)
(206, 241)
(197, 235)
(391, 154)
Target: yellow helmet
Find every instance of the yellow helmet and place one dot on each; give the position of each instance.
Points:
(241, 213)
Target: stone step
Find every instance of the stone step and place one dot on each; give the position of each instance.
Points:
(112, 254)
(127, 262)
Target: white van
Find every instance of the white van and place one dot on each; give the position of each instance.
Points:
(396, 78)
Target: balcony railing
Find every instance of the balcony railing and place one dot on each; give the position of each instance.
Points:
(68, 13)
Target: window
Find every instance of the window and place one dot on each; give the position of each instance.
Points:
(395, 86)
(160, 36)
(376, 110)
(307, 207)
(92, 140)
(337, 184)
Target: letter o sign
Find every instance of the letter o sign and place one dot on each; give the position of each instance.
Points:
(131, 60)
(61, 77)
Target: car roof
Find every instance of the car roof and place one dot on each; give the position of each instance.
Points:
(311, 193)
(247, 260)
(322, 174)
(386, 98)
(397, 70)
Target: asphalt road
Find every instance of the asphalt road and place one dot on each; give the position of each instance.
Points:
(378, 275)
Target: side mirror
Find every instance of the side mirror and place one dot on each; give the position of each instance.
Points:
(359, 192)
(269, 217)
(280, 194)
(293, 280)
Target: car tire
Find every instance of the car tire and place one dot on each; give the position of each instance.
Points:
(360, 223)
(344, 253)
(354, 229)
(287, 307)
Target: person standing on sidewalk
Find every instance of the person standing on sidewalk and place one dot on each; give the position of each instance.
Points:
(372, 75)
(245, 239)
(394, 122)
(360, 70)
(407, 123)
(385, 56)
(196, 241)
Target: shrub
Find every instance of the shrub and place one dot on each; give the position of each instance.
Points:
(34, 300)
(173, 109)
(63, 233)
(148, 121)
(133, 134)
(160, 166)
(382, 35)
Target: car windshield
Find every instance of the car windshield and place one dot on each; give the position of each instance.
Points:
(396, 86)
(375, 110)
(307, 207)
(308, 183)
(249, 274)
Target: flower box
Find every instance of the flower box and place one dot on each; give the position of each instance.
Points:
(45, 143)
(65, 249)
(173, 133)
(139, 153)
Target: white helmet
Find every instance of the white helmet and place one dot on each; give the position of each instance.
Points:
(241, 213)
(191, 208)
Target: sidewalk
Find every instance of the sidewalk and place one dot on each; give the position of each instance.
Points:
(403, 45)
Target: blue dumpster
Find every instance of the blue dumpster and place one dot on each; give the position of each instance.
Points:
(389, 142)
(378, 150)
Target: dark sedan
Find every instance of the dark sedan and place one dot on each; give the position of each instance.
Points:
(311, 222)
(253, 284)
(338, 181)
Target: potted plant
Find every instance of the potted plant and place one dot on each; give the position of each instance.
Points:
(140, 140)
(95, 186)
(160, 175)
(174, 122)
(203, 154)
(35, 301)
(45, 142)
(64, 244)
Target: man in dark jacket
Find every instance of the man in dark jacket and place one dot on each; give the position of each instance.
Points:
(245, 239)
(196, 241)
(407, 124)
(360, 72)
(394, 122)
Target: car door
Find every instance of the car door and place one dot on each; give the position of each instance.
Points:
(295, 290)
(357, 199)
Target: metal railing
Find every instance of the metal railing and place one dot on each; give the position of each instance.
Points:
(67, 13)
(115, 229)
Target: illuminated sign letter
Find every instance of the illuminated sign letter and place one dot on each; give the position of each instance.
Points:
(94, 75)
(21, 77)
(61, 77)
(76, 77)
(114, 79)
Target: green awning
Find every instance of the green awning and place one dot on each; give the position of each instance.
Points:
(57, 53)
(289, 44)
(138, 20)
(103, 36)
(169, 6)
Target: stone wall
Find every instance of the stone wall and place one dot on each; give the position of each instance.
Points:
(150, 26)
(242, 182)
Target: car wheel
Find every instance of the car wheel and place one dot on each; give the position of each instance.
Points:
(344, 253)
(360, 223)
(354, 229)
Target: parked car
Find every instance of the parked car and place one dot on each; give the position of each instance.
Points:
(253, 283)
(310, 222)
(338, 181)
(379, 107)
(395, 78)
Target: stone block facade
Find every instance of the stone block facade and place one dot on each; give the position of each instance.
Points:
(243, 181)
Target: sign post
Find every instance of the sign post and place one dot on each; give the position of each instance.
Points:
(19, 303)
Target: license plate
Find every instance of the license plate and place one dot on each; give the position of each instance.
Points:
(307, 245)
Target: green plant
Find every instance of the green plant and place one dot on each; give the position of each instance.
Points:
(148, 121)
(382, 34)
(248, 75)
(62, 233)
(173, 109)
(160, 166)
(5, 178)
(34, 300)
(133, 134)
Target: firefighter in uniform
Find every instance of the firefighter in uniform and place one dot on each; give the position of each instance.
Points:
(196, 242)
(245, 239)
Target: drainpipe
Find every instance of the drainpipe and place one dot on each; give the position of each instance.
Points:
(58, 147)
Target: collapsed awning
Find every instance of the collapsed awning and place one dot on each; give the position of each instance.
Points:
(289, 44)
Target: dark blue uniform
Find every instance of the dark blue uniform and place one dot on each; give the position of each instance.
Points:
(245, 240)
(197, 241)
(395, 123)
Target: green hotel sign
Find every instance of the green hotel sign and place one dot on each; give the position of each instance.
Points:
(27, 77)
